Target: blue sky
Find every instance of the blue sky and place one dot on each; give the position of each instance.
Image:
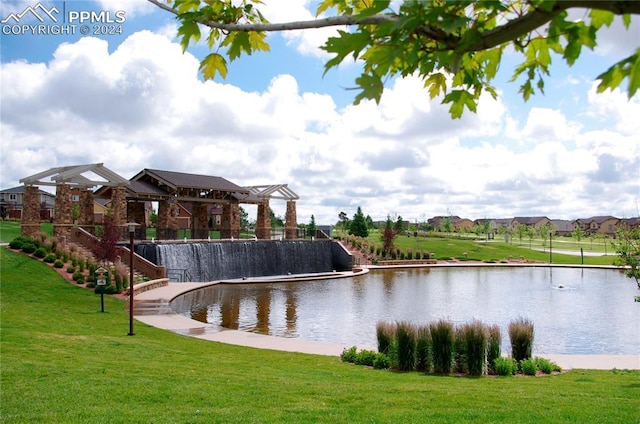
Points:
(135, 101)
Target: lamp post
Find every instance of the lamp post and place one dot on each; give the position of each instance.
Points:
(132, 230)
(550, 247)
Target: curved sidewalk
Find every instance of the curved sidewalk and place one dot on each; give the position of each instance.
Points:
(188, 327)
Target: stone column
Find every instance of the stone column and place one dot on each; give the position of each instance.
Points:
(30, 221)
(167, 221)
(119, 207)
(200, 224)
(63, 217)
(86, 216)
(230, 221)
(135, 212)
(263, 221)
(291, 223)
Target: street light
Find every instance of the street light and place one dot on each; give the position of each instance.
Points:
(132, 230)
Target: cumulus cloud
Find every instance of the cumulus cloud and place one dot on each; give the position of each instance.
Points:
(142, 105)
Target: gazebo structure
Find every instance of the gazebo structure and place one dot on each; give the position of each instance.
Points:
(64, 179)
(277, 191)
(168, 188)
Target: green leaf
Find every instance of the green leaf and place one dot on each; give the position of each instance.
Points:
(237, 42)
(459, 99)
(634, 76)
(188, 30)
(437, 83)
(211, 64)
(344, 45)
(601, 17)
(372, 88)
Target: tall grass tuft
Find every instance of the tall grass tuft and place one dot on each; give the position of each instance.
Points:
(459, 350)
(442, 345)
(493, 346)
(423, 349)
(475, 336)
(385, 333)
(406, 345)
(521, 336)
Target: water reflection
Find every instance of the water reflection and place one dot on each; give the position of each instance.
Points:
(574, 311)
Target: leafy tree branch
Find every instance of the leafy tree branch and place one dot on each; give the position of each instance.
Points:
(456, 47)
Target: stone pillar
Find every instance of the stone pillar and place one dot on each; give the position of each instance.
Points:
(263, 221)
(86, 217)
(119, 207)
(167, 221)
(135, 213)
(200, 223)
(63, 217)
(291, 223)
(230, 221)
(30, 221)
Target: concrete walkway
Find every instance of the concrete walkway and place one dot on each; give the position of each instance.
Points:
(188, 327)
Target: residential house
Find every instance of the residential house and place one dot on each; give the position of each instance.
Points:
(630, 223)
(562, 227)
(606, 225)
(530, 221)
(12, 200)
(462, 225)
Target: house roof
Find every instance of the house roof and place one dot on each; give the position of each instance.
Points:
(20, 190)
(562, 225)
(177, 180)
(529, 220)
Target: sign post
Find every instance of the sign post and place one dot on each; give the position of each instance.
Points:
(101, 282)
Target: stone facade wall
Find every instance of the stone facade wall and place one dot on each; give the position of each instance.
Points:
(263, 221)
(85, 217)
(291, 224)
(30, 225)
(119, 205)
(167, 220)
(63, 218)
(135, 212)
(200, 223)
(230, 221)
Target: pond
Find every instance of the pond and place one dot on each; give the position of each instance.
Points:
(574, 311)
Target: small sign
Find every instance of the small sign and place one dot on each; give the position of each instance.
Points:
(101, 282)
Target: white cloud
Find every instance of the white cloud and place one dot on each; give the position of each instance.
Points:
(143, 106)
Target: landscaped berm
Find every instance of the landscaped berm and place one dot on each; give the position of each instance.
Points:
(64, 361)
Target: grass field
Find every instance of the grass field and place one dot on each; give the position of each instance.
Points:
(65, 362)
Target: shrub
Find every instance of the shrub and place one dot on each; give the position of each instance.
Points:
(528, 367)
(78, 277)
(381, 361)
(459, 351)
(385, 333)
(71, 269)
(50, 258)
(546, 366)
(349, 355)
(442, 345)
(406, 345)
(17, 242)
(40, 252)
(409, 254)
(365, 357)
(475, 337)
(521, 336)
(109, 289)
(58, 263)
(28, 247)
(493, 346)
(505, 366)
(423, 349)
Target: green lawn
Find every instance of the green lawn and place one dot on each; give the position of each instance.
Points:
(62, 361)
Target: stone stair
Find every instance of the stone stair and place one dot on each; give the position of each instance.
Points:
(151, 307)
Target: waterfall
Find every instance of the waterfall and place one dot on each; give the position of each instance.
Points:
(226, 260)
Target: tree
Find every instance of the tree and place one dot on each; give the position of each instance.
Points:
(312, 227)
(398, 227)
(107, 247)
(344, 220)
(358, 225)
(455, 46)
(276, 221)
(244, 219)
(521, 231)
(388, 235)
(578, 234)
(627, 247)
